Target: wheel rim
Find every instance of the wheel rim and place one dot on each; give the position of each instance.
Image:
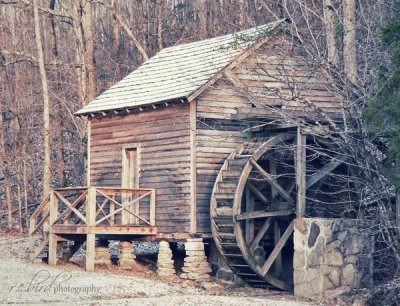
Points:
(261, 229)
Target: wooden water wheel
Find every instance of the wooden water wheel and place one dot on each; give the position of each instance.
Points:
(261, 188)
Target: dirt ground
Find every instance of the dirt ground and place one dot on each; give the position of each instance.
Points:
(39, 284)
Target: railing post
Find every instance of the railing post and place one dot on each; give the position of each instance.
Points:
(32, 224)
(53, 239)
(91, 222)
(91, 207)
(153, 207)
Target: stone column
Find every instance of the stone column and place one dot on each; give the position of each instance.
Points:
(165, 263)
(126, 258)
(331, 256)
(101, 253)
(196, 266)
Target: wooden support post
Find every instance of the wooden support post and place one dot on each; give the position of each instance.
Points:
(91, 207)
(249, 233)
(278, 260)
(153, 207)
(193, 168)
(32, 224)
(301, 173)
(90, 249)
(91, 221)
(53, 249)
(272, 171)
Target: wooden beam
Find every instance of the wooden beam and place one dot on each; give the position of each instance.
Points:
(328, 168)
(123, 207)
(41, 207)
(272, 170)
(53, 249)
(263, 214)
(34, 229)
(249, 230)
(278, 248)
(153, 208)
(69, 212)
(39, 249)
(193, 168)
(272, 181)
(90, 249)
(69, 205)
(72, 250)
(260, 235)
(278, 260)
(301, 172)
(257, 193)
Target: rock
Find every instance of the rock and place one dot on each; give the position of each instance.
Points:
(348, 275)
(334, 276)
(195, 266)
(126, 259)
(301, 226)
(299, 260)
(165, 264)
(333, 258)
(314, 233)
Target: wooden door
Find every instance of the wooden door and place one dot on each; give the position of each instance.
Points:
(130, 179)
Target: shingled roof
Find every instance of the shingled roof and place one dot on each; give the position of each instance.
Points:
(176, 72)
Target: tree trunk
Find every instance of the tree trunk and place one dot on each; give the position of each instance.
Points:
(160, 9)
(25, 182)
(4, 165)
(89, 60)
(349, 40)
(46, 103)
(330, 21)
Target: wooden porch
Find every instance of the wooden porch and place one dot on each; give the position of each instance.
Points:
(79, 214)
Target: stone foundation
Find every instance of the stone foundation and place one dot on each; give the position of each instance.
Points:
(195, 266)
(331, 254)
(165, 264)
(126, 258)
(101, 253)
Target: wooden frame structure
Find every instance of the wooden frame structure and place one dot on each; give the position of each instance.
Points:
(92, 211)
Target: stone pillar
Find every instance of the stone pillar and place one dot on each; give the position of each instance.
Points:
(101, 253)
(331, 256)
(196, 266)
(165, 263)
(126, 258)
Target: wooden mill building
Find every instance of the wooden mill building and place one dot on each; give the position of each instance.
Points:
(182, 124)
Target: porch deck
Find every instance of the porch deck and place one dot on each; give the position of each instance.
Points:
(79, 214)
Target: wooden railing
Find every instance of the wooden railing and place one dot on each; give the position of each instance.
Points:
(95, 206)
(89, 210)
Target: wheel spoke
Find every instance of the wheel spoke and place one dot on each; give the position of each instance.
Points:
(276, 251)
(257, 193)
(260, 235)
(272, 181)
(325, 170)
(278, 260)
(263, 214)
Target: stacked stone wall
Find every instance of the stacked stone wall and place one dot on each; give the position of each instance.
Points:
(331, 254)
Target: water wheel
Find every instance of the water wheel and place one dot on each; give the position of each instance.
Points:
(256, 198)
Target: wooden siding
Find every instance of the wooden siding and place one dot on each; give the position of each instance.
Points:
(163, 142)
(269, 75)
(217, 136)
